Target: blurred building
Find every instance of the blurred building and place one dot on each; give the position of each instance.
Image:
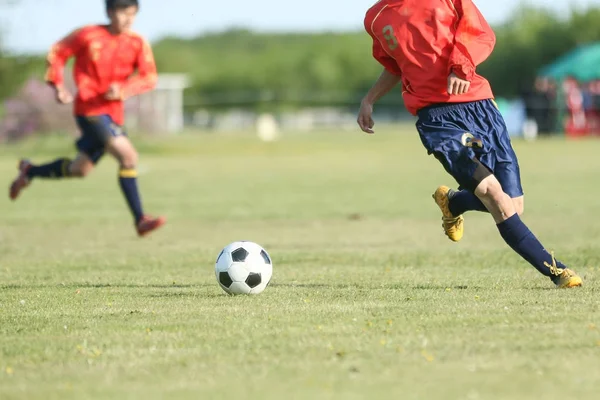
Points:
(161, 110)
(34, 110)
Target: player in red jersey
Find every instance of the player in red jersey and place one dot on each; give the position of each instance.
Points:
(433, 47)
(107, 58)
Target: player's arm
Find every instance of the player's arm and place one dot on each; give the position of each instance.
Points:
(146, 77)
(391, 75)
(386, 82)
(58, 56)
(389, 79)
(473, 42)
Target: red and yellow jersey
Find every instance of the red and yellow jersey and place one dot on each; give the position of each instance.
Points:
(423, 41)
(102, 59)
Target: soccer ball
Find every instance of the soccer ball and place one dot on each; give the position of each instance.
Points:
(243, 268)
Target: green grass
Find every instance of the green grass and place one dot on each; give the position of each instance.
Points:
(368, 300)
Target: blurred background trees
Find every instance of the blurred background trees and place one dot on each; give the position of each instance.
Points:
(240, 67)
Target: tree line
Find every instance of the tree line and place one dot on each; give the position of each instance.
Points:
(241, 67)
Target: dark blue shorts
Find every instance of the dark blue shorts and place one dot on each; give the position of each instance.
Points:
(457, 134)
(95, 133)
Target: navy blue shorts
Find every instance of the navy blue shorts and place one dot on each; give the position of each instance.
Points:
(457, 134)
(95, 134)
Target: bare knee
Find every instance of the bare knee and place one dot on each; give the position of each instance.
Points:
(122, 149)
(498, 203)
(129, 160)
(79, 173)
(80, 168)
(491, 190)
(519, 205)
(519, 210)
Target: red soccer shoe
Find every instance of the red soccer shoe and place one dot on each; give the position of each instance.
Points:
(21, 181)
(148, 224)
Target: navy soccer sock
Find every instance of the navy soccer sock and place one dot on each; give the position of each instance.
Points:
(56, 169)
(516, 234)
(462, 201)
(128, 183)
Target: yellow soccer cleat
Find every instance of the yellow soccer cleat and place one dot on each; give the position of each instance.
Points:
(453, 226)
(568, 279)
(563, 278)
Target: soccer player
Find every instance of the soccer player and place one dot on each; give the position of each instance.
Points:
(107, 58)
(432, 47)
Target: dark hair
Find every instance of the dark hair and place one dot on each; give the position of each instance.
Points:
(117, 4)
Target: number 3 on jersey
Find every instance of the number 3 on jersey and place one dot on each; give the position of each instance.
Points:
(390, 37)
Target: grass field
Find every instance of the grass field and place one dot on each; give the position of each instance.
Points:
(368, 300)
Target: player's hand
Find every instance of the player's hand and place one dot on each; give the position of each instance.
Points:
(365, 117)
(63, 96)
(114, 92)
(456, 85)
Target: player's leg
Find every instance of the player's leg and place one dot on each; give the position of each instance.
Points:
(60, 168)
(27, 171)
(516, 234)
(509, 176)
(519, 203)
(506, 168)
(460, 153)
(502, 194)
(443, 139)
(462, 201)
(452, 222)
(492, 143)
(127, 157)
(125, 153)
(82, 165)
(456, 154)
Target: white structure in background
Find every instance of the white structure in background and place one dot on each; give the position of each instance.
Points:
(530, 130)
(267, 127)
(270, 126)
(161, 110)
(310, 119)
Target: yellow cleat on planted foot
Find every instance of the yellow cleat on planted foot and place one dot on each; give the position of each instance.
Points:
(453, 225)
(563, 278)
(568, 279)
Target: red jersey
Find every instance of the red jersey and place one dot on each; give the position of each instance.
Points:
(102, 59)
(423, 41)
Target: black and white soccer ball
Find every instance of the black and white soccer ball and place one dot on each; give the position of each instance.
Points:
(243, 268)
